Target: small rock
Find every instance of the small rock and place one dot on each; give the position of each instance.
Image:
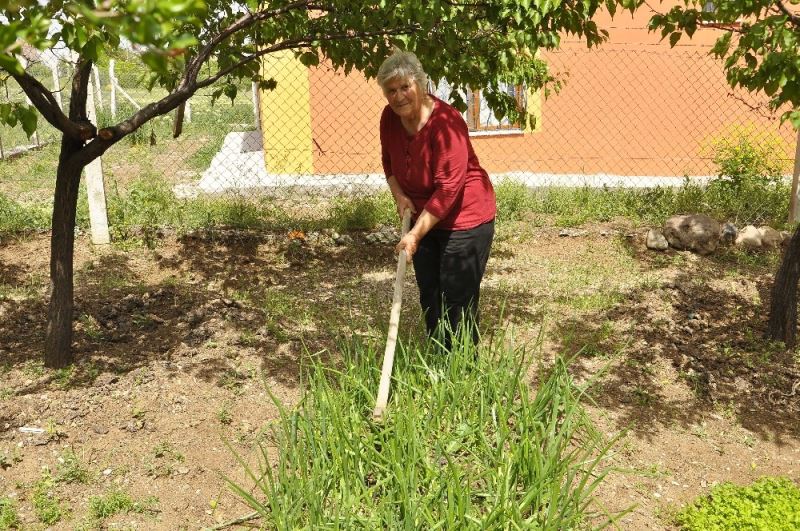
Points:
(100, 430)
(183, 470)
(770, 238)
(107, 472)
(656, 240)
(570, 233)
(749, 237)
(693, 232)
(728, 233)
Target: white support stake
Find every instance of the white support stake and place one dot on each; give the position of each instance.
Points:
(256, 113)
(113, 82)
(187, 112)
(98, 87)
(98, 214)
(24, 63)
(56, 84)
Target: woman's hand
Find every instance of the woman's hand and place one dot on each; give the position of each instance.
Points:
(408, 243)
(403, 202)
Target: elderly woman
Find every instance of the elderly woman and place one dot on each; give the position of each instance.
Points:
(432, 169)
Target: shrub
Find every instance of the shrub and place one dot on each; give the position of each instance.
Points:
(769, 503)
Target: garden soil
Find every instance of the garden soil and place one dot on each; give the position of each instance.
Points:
(179, 344)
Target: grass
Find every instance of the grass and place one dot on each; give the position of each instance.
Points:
(9, 517)
(116, 502)
(770, 503)
(145, 205)
(48, 508)
(466, 445)
(71, 469)
(753, 203)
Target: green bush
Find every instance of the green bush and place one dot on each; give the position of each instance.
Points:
(750, 186)
(770, 503)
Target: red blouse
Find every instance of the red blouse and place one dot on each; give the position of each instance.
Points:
(438, 169)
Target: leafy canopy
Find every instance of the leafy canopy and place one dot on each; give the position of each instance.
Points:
(760, 44)
(189, 44)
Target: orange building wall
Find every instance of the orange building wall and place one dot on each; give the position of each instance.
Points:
(632, 107)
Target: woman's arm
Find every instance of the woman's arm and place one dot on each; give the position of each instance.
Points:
(400, 198)
(425, 222)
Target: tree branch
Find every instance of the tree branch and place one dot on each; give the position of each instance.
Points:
(794, 19)
(108, 136)
(193, 68)
(296, 43)
(46, 104)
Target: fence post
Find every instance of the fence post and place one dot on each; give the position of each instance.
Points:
(793, 200)
(56, 84)
(256, 112)
(24, 63)
(113, 79)
(98, 87)
(95, 188)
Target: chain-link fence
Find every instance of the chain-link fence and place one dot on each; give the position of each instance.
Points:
(626, 116)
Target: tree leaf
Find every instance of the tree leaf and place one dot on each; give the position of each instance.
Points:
(29, 118)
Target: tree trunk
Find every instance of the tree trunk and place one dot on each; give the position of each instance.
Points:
(783, 306)
(58, 343)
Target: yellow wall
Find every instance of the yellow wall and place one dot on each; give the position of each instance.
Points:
(286, 116)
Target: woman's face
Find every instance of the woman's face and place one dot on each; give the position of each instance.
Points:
(404, 96)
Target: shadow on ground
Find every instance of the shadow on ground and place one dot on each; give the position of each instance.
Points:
(712, 337)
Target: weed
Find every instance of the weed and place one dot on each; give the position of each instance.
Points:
(699, 431)
(248, 338)
(46, 505)
(224, 415)
(90, 326)
(70, 469)
(363, 212)
(643, 397)
(513, 200)
(138, 412)
(165, 456)
(7, 461)
(101, 507)
(232, 380)
(63, 377)
(33, 368)
(9, 518)
(770, 503)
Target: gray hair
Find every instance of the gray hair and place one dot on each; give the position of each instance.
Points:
(403, 65)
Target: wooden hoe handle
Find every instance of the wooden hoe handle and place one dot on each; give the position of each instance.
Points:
(394, 323)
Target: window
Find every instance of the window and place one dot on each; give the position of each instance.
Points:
(478, 116)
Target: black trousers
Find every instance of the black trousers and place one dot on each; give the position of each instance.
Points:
(449, 266)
